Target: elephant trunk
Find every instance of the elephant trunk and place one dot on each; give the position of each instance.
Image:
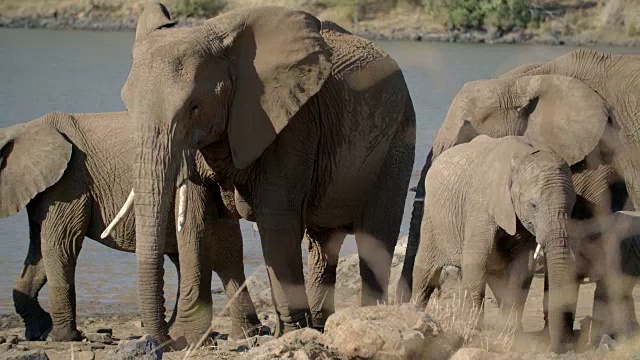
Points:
(563, 289)
(405, 285)
(154, 185)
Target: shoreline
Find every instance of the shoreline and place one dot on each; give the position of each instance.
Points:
(128, 24)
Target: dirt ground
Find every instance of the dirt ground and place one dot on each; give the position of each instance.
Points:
(127, 325)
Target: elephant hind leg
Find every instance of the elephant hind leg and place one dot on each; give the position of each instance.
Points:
(323, 248)
(28, 285)
(64, 226)
(426, 276)
(378, 226)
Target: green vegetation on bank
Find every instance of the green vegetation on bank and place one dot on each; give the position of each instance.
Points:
(582, 20)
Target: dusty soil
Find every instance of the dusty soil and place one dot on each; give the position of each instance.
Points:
(126, 324)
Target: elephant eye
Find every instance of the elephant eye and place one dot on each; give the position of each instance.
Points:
(194, 109)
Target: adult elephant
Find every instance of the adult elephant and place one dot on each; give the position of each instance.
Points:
(314, 129)
(582, 105)
(72, 172)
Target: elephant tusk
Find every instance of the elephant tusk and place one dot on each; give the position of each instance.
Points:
(538, 252)
(182, 205)
(125, 208)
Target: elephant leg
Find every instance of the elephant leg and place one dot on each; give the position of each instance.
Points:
(425, 278)
(194, 314)
(519, 279)
(323, 248)
(228, 264)
(25, 293)
(281, 233)
(476, 250)
(61, 245)
(378, 226)
(176, 262)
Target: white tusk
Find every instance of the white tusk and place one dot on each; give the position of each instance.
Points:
(182, 205)
(538, 252)
(125, 208)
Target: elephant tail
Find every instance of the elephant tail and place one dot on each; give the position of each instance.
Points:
(405, 285)
(33, 156)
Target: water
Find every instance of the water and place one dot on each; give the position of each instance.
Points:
(43, 71)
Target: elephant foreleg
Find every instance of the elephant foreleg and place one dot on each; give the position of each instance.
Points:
(323, 248)
(28, 285)
(227, 255)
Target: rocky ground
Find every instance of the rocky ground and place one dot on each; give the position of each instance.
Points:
(378, 332)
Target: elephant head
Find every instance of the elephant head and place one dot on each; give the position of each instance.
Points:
(538, 192)
(558, 112)
(238, 79)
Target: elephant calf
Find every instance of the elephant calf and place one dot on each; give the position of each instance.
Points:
(73, 172)
(490, 201)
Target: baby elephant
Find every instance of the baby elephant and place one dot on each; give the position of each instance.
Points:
(488, 202)
(73, 173)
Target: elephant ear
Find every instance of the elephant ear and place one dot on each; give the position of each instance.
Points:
(154, 17)
(279, 60)
(563, 113)
(499, 178)
(33, 157)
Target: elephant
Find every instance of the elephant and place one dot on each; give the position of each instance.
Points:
(72, 173)
(582, 105)
(490, 200)
(312, 126)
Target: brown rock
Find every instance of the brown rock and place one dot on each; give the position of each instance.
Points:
(386, 332)
(99, 338)
(300, 344)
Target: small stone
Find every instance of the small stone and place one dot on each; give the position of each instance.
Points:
(100, 338)
(13, 339)
(21, 348)
(2, 340)
(105, 331)
(5, 347)
(146, 348)
(26, 355)
(84, 355)
(607, 344)
(138, 324)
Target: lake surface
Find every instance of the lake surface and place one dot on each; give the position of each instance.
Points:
(76, 71)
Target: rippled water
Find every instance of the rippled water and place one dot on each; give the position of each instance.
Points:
(43, 71)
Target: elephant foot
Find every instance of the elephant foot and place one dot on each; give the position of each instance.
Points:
(64, 333)
(247, 328)
(184, 336)
(39, 328)
(300, 321)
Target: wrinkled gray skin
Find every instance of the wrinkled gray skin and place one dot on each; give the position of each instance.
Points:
(583, 106)
(611, 243)
(489, 201)
(314, 129)
(73, 172)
